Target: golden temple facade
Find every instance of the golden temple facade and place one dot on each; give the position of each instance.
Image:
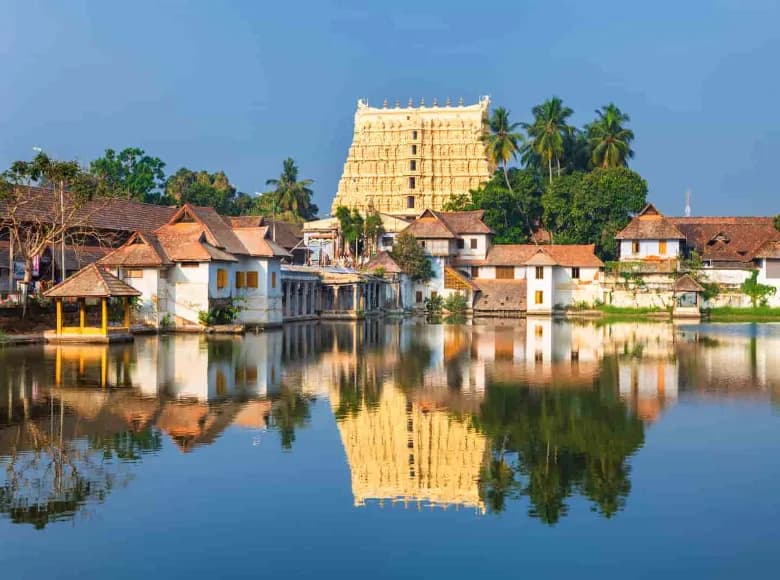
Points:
(412, 453)
(404, 160)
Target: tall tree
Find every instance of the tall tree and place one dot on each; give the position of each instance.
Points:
(131, 173)
(503, 141)
(351, 226)
(609, 140)
(548, 133)
(202, 188)
(291, 196)
(411, 258)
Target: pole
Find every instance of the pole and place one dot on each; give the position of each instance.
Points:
(62, 221)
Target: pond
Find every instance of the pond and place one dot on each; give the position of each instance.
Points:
(396, 449)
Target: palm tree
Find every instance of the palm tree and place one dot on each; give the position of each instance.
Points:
(291, 195)
(609, 141)
(502, 141)
(549, 133)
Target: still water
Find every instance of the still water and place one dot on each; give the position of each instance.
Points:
(396, 449)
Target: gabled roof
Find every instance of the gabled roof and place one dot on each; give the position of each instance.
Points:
(91, 282)
(384, 260)
(580, 255)
(574, 255)
(650, 224)
(687, 284)
(142, 250)
(769, 250)
(446, 225)
(286, 234)
(218, 232)
(188, 242)
(258, 243)
(727, 239)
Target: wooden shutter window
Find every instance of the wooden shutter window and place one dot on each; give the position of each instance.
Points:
(240, 280)
(221, 278)
(251, 279)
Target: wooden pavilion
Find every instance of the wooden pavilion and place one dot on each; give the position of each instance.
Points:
(92, 283)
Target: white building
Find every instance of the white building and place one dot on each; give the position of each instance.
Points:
(197, 262)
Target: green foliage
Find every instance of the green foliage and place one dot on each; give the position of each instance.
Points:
(434, 304)
(410, 257)
(711, 289)
(290, 198)
(758, 293)
(131, 173)
(202, 188)
(458, 202)
(582, 208)
(379, 272)
(777, 222)
(548, 134)
(759, 313)
(290, 410)
(503, 141)
(456, 303)
(609, 141)
(350, 225)
(225, 312)
(167, 321)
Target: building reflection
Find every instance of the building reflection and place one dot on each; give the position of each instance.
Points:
(481, 416)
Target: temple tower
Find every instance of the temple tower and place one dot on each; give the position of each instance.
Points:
(404, 160)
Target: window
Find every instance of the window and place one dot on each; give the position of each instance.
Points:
(418, 297)
(473, 243)
(662, 247)
(414, 135)
(538, 297)
(575, 273)
(635, 246)
(133, 273)
(240, 279)
(387, 241)
(412, 182)
(273, 279)
(251, 279)
(413, 165)
(410, 202)
(475, 271)
(539, 331)
(461, 243)
(422, 243)
(414, 149)
(540, 272)
(221, 278)
(505, 272)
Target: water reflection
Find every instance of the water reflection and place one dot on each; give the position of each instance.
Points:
(492, 417)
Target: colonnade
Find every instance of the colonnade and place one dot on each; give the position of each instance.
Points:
(301, 298)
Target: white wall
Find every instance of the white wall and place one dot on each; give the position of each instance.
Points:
(763, 279)
(148, 284)
(188, 291)
(545, 285)
(648, 248)
(262, 305)
(489, 272)
(467, 252)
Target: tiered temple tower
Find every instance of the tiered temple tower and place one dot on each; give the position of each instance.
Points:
(405, 160)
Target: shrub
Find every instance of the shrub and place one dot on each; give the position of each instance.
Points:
(758, 293)
(434, 304)
(456, 303)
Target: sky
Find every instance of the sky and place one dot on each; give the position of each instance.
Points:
(240, 86)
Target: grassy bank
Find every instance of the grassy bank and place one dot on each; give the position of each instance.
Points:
(730, 314)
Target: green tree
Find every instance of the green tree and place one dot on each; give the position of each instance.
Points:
(777, 222)
(372, 229)
(548, 133)
(582, 208)
(131, 173)
(609, 140)
(513, 213)
(758, 293)
(410, 257)
(503, 141)
(351, 226)
(293, 197)
(202, 188)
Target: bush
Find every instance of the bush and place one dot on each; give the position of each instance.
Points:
(456, 303)
(434, 304)
(167, 321)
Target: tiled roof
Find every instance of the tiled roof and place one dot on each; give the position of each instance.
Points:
(4, 256)
(429, 226)
(141, 250)
(244, 221)
(76, 257)
(510, 254)
(218, 232)
(501, 295)
(440, 224)
(383, 260)
(582, 255)
(769, 250)
(105, 214)
(187, 242)
(91, 282)
(650, 224)
(287, 235)
(687, 284)
(257, 243)
(727, 239)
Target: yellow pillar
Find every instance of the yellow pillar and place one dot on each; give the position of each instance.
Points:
(58, 365)
(103, 366)
(59, 315)
(82, 313)
(127, 313)
(104, 316)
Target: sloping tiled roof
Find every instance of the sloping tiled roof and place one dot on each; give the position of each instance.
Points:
(4, 256)
(218, 232)
(257, 243)
(287, 235)
(187, 242)
(501, 295)
(510, 254)
(727, 239)
(142, 250)
(429, 226)
(384, 260)
(465, 222)
(582, 255)
(122, 215)
(650, 224)
(687, 284)
(769, 250)
(244, 221)
(91, 282)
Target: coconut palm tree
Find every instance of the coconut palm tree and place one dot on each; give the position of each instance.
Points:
(290, 195)
(548, 133)
(609, 141)
(503, 142)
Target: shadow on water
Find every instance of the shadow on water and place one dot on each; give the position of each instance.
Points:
(494, 416)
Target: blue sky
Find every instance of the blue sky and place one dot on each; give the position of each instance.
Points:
(239, 86)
